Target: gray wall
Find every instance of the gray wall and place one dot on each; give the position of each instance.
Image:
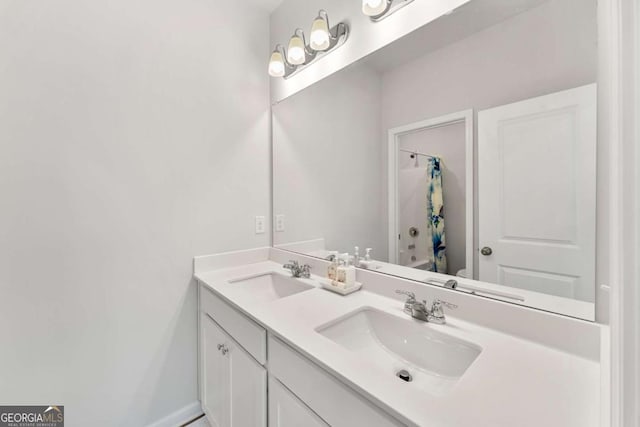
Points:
(133, 136)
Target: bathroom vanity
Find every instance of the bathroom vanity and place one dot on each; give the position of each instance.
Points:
(282, 351)
(465, 169)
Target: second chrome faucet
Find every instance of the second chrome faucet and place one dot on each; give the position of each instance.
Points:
(298, 270)
(418, 309)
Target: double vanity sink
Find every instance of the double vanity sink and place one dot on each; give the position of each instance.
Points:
(362, 360)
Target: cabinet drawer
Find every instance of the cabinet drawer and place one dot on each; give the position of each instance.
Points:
(251, 336)
(337, 404)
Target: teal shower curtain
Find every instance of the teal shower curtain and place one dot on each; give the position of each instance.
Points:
(436, 247)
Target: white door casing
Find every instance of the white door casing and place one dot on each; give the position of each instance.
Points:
(537, 193)
(393, 180)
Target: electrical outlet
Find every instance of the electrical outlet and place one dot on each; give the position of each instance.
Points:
(261, 224)
(280, 222)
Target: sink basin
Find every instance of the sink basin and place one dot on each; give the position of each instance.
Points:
(434, 360)
(271, 286)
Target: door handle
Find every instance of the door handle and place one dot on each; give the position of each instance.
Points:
(486, 251)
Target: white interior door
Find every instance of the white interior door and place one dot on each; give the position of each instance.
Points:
(537, 193)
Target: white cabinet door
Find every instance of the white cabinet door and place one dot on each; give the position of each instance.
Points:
(216, 374)
(537, 193)
(286, 410)
(235, 388)
(248, 389)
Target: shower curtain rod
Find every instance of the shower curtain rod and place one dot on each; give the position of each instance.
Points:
(417, 152)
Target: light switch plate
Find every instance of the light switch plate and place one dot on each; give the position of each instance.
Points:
(261, 224)
(280, 222)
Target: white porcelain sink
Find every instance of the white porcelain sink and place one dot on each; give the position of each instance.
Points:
(434, 359)
(271, 286)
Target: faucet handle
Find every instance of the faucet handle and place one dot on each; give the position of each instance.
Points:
(409, 294)
(437, 312)
(306, 271)
(437, 303)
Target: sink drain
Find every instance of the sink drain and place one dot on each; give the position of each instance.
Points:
(404, 375)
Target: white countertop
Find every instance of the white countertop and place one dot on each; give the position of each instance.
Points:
(512, 383)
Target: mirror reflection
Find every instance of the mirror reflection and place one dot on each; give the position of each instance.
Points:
(466, 156)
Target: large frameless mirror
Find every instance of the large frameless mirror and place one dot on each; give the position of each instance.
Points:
(455, 155)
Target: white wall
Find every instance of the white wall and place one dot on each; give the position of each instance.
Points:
(133, 136)
(325, 162)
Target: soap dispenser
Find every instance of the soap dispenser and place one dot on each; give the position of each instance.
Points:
(366, 262)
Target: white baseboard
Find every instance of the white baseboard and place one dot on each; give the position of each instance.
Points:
(180, 417)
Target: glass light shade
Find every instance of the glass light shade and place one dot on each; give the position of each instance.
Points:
(373, 7)
(319, 38)
(276, 65)
(295, 53)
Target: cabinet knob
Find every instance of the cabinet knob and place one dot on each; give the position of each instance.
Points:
(223, 349)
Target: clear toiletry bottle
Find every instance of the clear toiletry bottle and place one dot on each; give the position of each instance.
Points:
(333, 267)
(346, 273)
(341, 272)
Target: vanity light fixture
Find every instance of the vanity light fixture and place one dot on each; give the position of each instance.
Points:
(299, 55)
(278, 65)
(320, 38)
(377, 10)
(298, 52)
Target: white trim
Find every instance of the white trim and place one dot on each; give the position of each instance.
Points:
(180, 417)
(394, 135)
(609, 73)
(619, 70)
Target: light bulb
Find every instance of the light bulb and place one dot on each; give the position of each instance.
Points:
(276, 65)
(373, 7)
(295, 53)
(319, 38)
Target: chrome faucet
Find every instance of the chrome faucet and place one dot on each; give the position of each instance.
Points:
(418, 309)
(298, 270)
